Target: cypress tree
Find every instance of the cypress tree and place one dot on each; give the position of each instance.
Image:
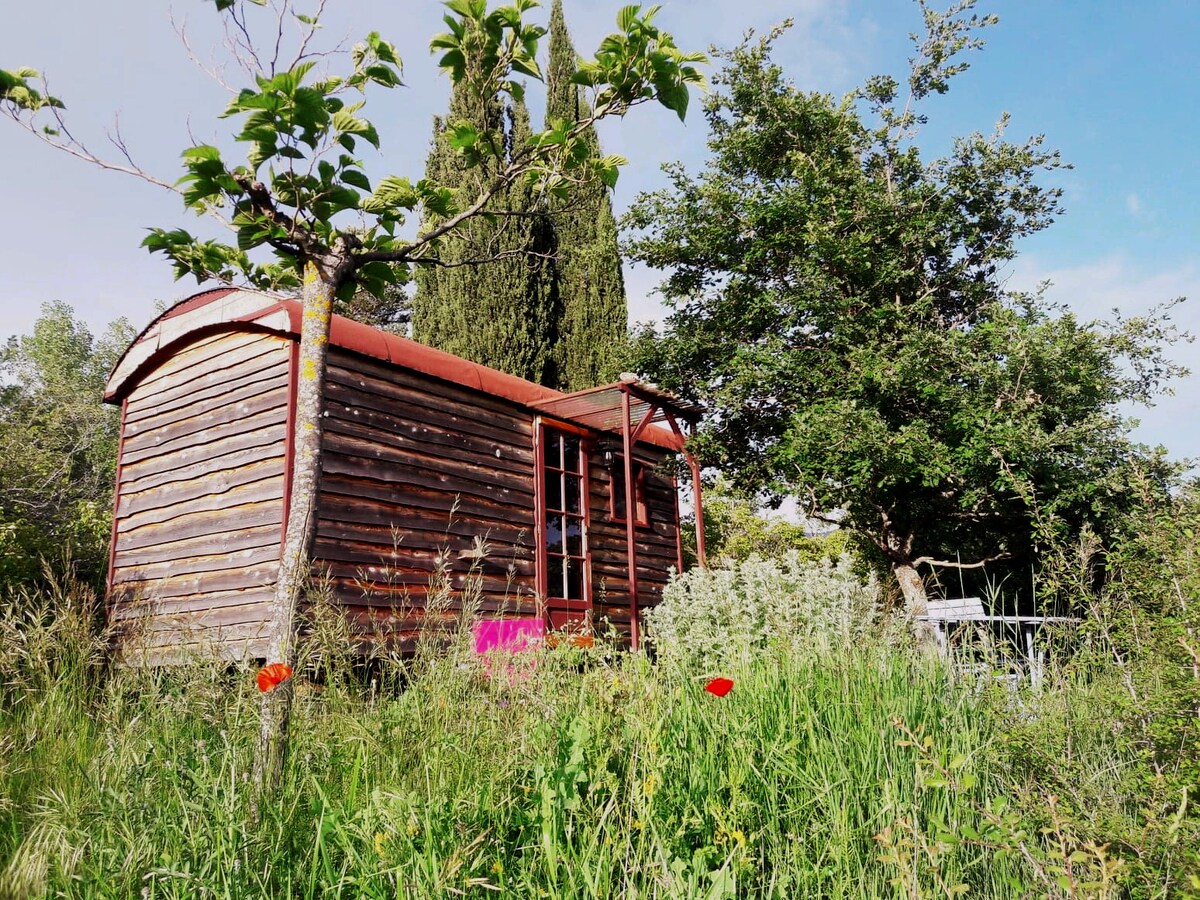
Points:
(502, 313)
(590, 285)
(552, 309)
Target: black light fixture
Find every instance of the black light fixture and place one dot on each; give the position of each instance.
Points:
(609, 447)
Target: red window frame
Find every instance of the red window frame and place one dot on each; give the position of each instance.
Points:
(616, 491)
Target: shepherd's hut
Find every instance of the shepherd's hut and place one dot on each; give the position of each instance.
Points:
(436, 471)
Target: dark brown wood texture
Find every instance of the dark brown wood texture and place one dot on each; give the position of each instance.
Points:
(656, 542)
(199, 506)
(416, 472)
(426, 503)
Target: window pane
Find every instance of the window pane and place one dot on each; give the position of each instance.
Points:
(554, 534)
(574, 536)
(571, 453)
(574, 485)
(551, 449)
(618, 492)
(574, 580)
(639, 488)
(553, 490)
(554, 576)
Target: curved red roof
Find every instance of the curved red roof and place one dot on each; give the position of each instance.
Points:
(226, 308)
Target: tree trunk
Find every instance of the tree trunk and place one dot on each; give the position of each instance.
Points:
(294, 570)
(912, 588)
(916, 603)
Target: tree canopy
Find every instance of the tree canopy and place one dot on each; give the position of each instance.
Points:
(839, 303)
(58, 446)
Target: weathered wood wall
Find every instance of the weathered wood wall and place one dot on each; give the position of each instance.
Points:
(417, 471)
(200, 498)
(414, 471)
(657, 542)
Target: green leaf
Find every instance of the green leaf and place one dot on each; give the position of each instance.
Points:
(201, 152)
(356, 179)
(437, 199)
(463, 135)
(391, 193)
(589, 74)
(527, 66)
(461, 7)
(347, 123)
(674, 96)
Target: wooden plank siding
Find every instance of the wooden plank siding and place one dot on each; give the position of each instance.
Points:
(428, 496)
(656, 543)
(200, 499)
(416, 471)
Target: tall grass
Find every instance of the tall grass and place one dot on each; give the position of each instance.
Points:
(861, 772)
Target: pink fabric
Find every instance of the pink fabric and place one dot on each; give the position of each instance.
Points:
(509, 635)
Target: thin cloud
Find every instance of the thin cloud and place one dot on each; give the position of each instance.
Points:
(1094, 289)
(1133, 203)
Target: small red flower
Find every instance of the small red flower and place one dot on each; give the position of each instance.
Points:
(270, 677)
(719, 686)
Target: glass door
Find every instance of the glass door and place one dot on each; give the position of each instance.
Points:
(564, 529)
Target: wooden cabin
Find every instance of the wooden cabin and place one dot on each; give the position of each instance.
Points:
(436, 472)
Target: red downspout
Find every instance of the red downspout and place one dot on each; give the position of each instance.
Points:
(678, 529)
(630, 523)
(701, 556)
(586, 485)
(541, 586)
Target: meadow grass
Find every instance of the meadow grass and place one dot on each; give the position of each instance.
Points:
(862, 771)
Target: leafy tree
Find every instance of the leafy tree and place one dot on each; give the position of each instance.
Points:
(392, 311)
(502, 314)
(839, 305)
(736, 529)
(58, 446)
(303, 196)
(587, 276)
(389, 309)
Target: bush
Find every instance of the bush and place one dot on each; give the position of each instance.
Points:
(720, 615)
(736, 528)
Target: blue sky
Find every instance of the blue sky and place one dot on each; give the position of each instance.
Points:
(1113, 85)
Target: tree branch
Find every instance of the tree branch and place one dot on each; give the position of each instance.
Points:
(955, 564)
(214, 73)
(437, 262)
(264, 204)
(74, 147)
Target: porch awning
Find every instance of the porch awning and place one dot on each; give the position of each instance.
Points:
(603, 408)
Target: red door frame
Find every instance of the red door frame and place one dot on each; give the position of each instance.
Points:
(542, 585)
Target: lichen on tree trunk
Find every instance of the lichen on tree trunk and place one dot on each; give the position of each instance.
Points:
(912, 588)
(316, 297)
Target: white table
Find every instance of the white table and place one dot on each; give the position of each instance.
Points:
(1025, 626)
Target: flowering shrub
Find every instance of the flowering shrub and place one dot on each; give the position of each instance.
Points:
(721, 615)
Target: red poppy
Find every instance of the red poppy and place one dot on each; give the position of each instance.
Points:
(719, 686)
(270, 677)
